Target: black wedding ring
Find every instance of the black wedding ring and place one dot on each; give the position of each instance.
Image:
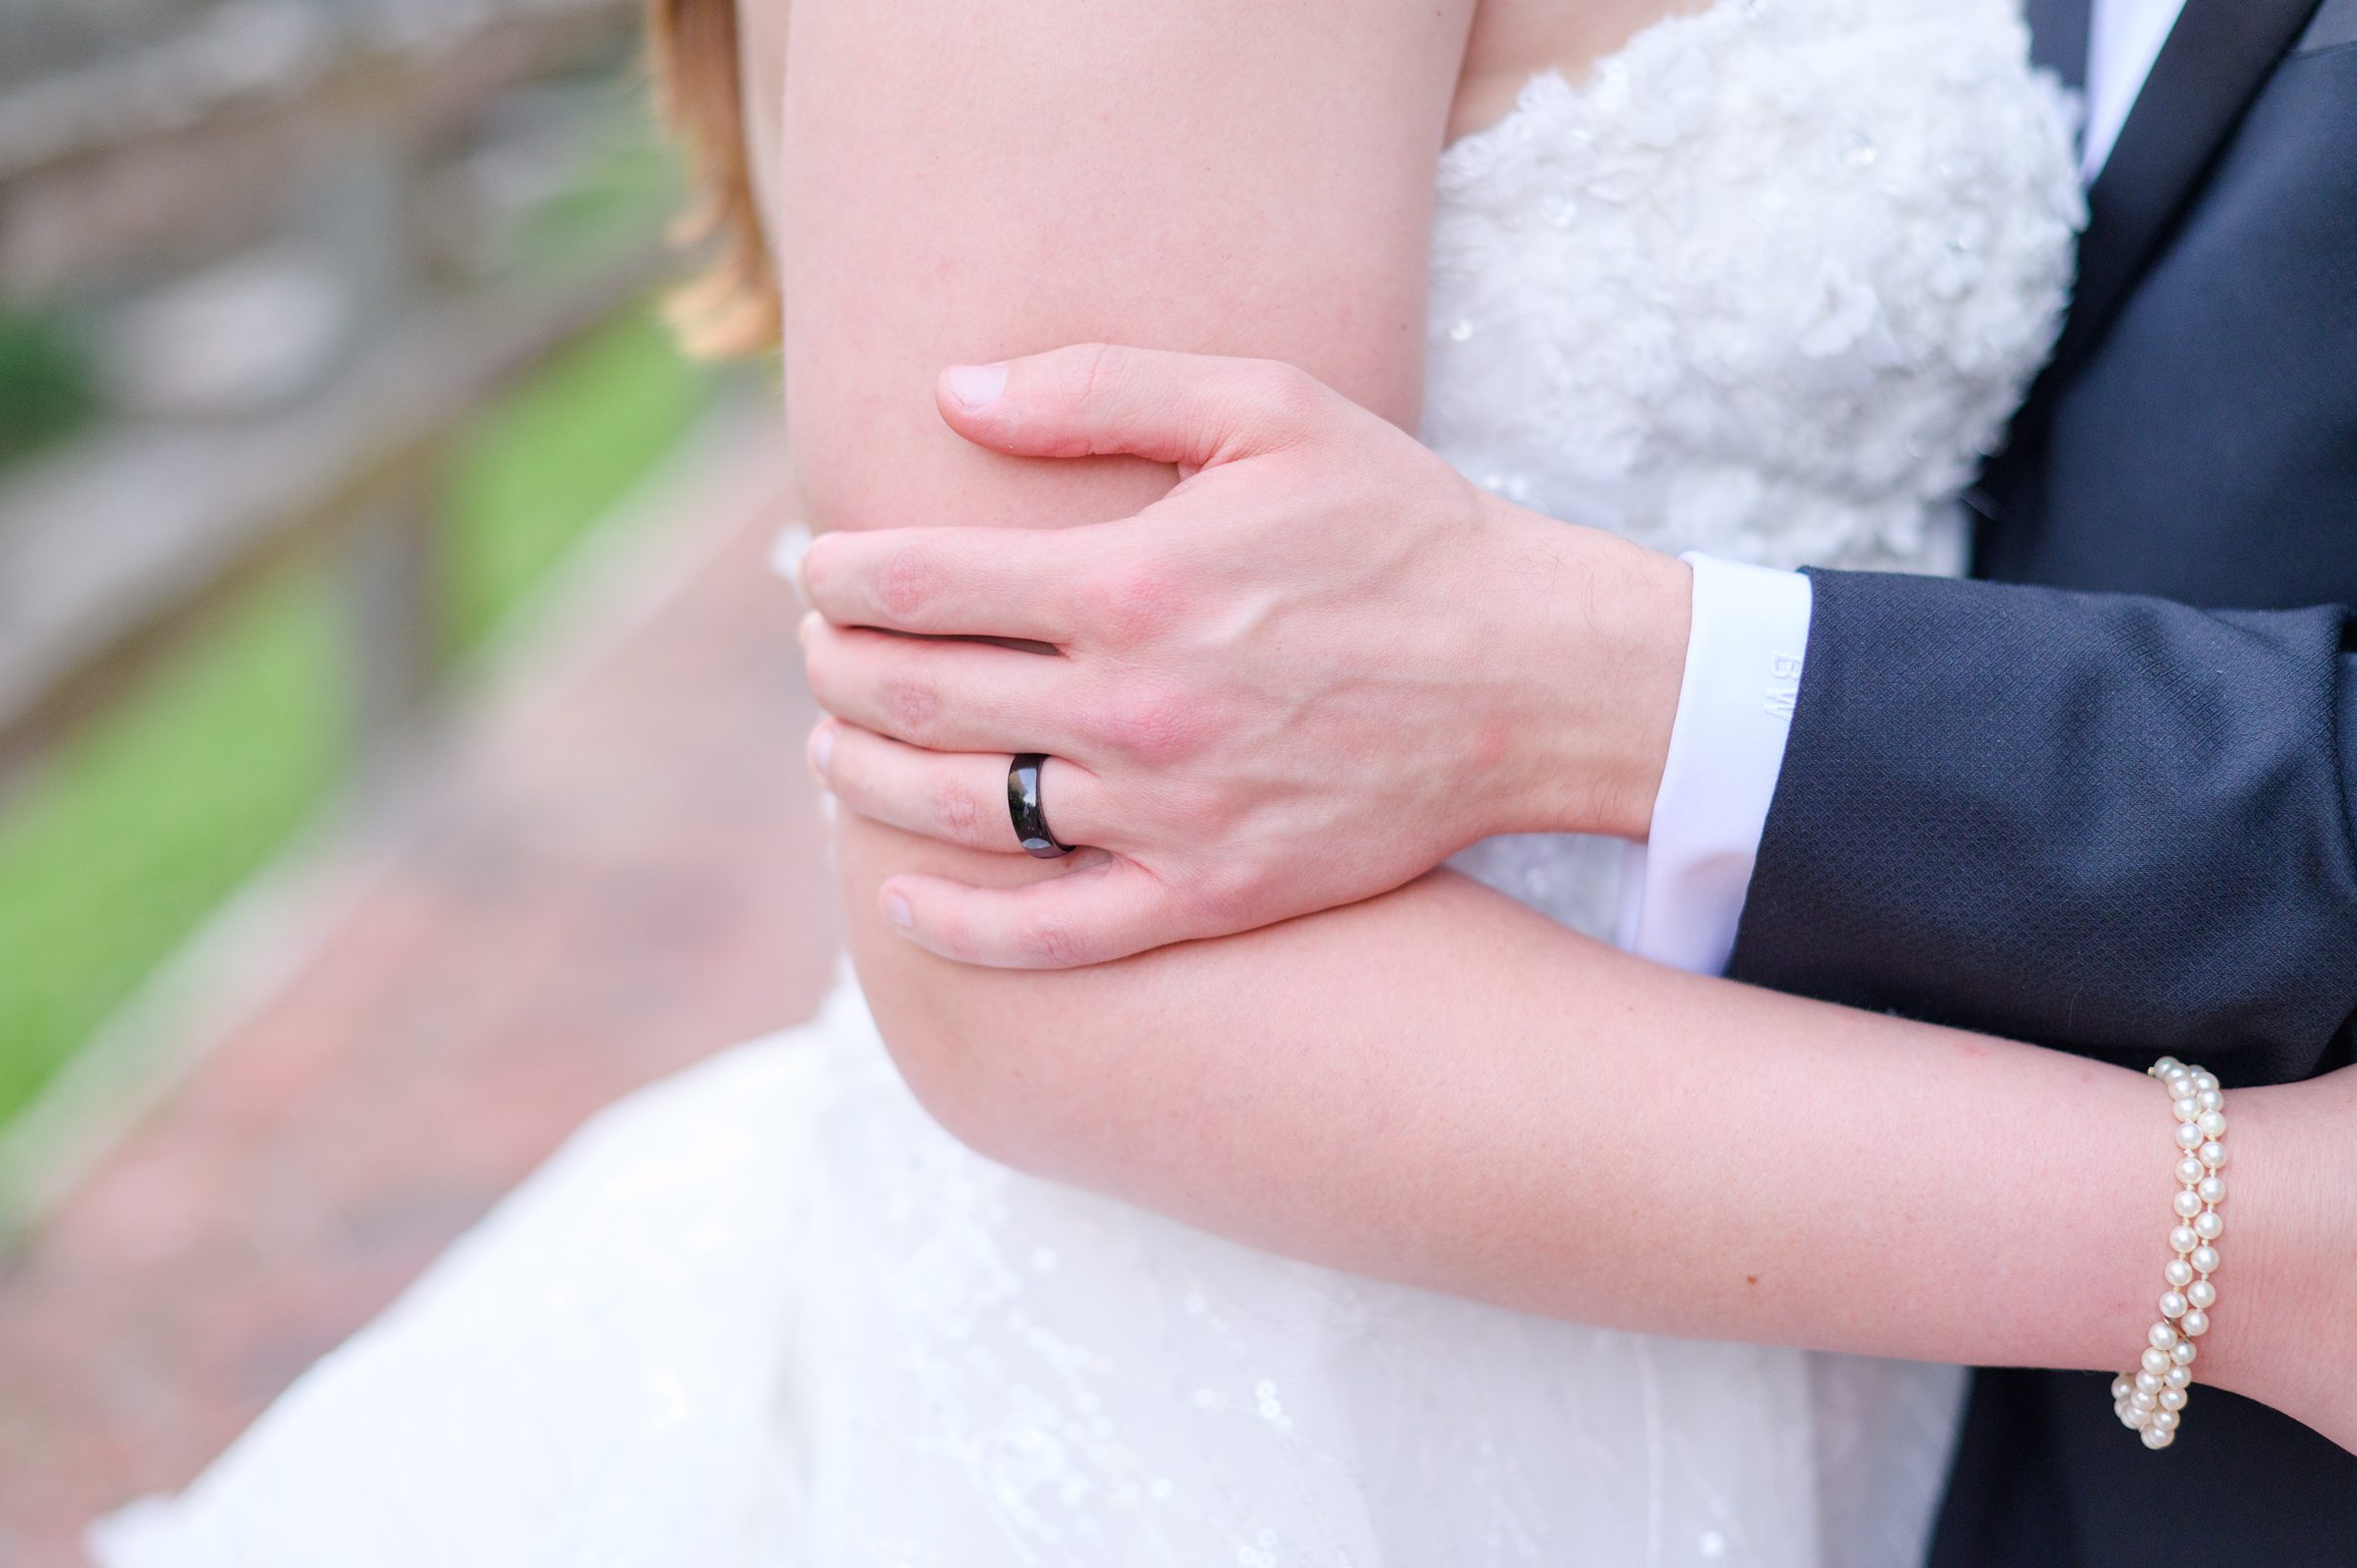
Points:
(1022, 805)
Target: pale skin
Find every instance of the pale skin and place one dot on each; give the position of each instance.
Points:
(1431, 1084)
(1299, 679)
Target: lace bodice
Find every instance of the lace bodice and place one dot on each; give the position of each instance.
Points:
(1767, 285)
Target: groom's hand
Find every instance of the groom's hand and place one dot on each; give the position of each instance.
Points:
(1318, 667)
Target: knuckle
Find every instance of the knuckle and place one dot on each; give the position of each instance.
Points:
(1285, 390)
(1057, 410)
(1050, 942)
(912, 579)
(1099, 369)
(1130, 602)
(911, 706)
(1153, 726)
(956, 813)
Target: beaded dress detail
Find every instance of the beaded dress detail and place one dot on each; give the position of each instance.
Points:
(1766, 284)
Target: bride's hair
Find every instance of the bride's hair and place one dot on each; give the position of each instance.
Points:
(732, 308)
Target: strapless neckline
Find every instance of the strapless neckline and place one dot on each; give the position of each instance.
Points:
(1553, 80)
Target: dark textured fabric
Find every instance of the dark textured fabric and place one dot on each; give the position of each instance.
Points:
(2058, 37)
(2217, 58)
(2047, 1476)
(2334, 27)
(2117, 825)
(2096, 820)
(2207, 452)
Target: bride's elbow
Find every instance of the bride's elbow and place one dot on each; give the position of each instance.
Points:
(979, 1080)
(1010, 1061)
(971, 1044)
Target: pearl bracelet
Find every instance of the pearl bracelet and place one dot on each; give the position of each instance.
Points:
(2152, 1400)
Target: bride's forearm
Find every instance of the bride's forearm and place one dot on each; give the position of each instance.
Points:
(1443, 1088)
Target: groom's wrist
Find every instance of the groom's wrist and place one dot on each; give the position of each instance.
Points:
(1604, 650)
(1644, 617)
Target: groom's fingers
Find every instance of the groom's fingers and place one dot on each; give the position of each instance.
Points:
(1095, 912)
(1098, 398)
(956, 797)
(968, 582)
(945, 694)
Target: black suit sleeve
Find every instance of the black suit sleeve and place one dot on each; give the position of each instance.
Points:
(2107, 823)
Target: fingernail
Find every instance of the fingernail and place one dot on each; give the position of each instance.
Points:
(896, 910)
(977, 387)
(822, 748)
(787, 552)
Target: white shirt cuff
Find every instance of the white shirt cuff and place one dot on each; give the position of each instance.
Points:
(1682, 891)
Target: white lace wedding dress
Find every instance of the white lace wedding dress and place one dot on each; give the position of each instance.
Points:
(1764, 284)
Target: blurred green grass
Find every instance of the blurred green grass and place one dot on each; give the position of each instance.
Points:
(141, 825)
(48, 388)
(556, 457)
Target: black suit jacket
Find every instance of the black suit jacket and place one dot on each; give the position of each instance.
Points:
(2108, 801)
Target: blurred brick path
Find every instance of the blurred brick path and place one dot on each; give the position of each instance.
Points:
(610, 876)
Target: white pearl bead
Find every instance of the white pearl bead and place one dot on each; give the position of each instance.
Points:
(2172, 1398)
(2209, 1225)
(2140, 1400)
(2165, 1420)
(2178, 1272)
(2202, 1293)
(2202, 1080)
(2177, 1377)
(2210, 1099)
(2204, 1259)
(2147, 1382)
(2212, 1154)
(2162, 1336)
(2166, 1067)
(2187, 1109)
(2182, 1352)
(2182, 1239)
(2211, 1189)
(2156, 1360)
(2119, 1388)
(2196, 1322)
(2189, 1134)
(2154, 1437)
(2182, 1085)
(2188, 1203)
(2173, 1304)
(2213, 1123)
(2191, 1170)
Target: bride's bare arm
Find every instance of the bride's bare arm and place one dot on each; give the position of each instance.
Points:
(1437, 1085)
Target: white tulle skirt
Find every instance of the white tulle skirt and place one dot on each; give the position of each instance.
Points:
(766, 1313)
